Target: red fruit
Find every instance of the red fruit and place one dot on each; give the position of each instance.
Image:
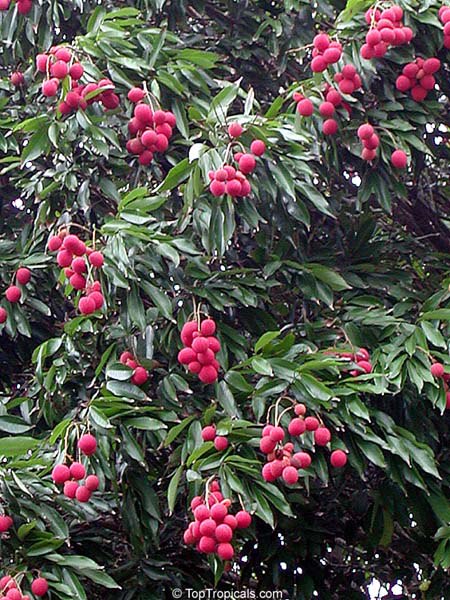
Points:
(257, 147)
(208, 527)
(327, 109)
(77, 471)
(332, 55)
(78, 282)
(196, 501)
(3, 315)
(322, 436)
(144, 114)
(194, 367)
(334, 97)
(267, 473)
(437, 370)
(17, 78)
(83, 494)
(219, 512)
(201, 513)
(76, 71)
(4, 582)
(299, 409)
(365, 365)
(209, 433)
(187, 332)
(318, 64)
(225, 551)
(372, 143)
(223, 533)
(207, 545)
(186, 356)
(305, 107)
(5, 523)
(208, 327)
(233, 187)
(403, 83)
(162, 143)
(217, 188)
(14, 594)
(321, 42)
(70, 489)
(59, 69)
(267, 445)
(200, 344)
(243, 519)
(297, 427)
(13, 294)
(428, 82)
(276, 434)
(235, 130)
(329, 127)
(247, 163)
(24, 6)
(363, 354)
(54, 243)
(140, 376)
(368, 155)
(98, 299)
(373, 37)
(418, 93)
(221, 443)
(208, 374)
(431, 65)
(96, 259)
(136, 94)
(23, 276)
(49, 88)
(290, 475)
(338, 458)
(42, 62)
(365, 131)
(87, 444)
(60, 474)
(303, 459)
(399, 159)
(311, 423)
(86, 305)
(125, 356)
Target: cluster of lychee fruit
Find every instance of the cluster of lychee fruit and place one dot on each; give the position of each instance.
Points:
(282, 462)
(139, 374)
(13, 292)
(444, 16)
(327, 108)
(369, 140)
(361, 359)
(78, 262)
(386, 29)
(209, 434)
(232, 181)
(62, 71)
(325, 52)
(70, 476)
(418, 77)
(213, 527)
(10, 589)
(348, 80)
(201, 347)
(150, 130)
(23, 6)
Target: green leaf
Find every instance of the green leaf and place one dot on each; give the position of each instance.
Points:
(173, 489)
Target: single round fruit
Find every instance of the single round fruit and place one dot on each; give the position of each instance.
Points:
(209, 433)
(243, 519)
(39, 587)
(54, 243)
(13, 294)
(96, 259)
(208, 374)
(60, 474)
(311, 423)
(305, 107)
(437, 370)
(200, 344)
(201, 513)
(70, 489)
(290, 475)
(297, 427)
(219, 512)
(221, 443)
(86, 305)
(235, 130)
(247, 163)
(83, 494)
(276, 434)
(329, 127)
(140, 376)
(327, 109)
(3, 315)
(223, 533)
(365, 131)
(5, 523)
(300, 409)
(258, 147)
(208, 527)
(87, 444)
(77, 471)
(136, 94)
(267, 445)
(322, 436)
(338, 458)
(302, 460)
(399, 159)
(207, 545)
(225, 551)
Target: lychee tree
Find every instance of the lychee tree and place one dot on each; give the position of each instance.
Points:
(225, 300)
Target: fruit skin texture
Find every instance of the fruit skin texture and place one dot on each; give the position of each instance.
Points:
(290, 475)
(437, 370)
(235, 130)
(5, 523)
(92, 483)
(70, 489)
(322, 436)
(3, 315)
(13, 294)
(399, 159)
(140, 376)
(244, 519)
(39, 587)
(87, 444)
(96, 259)
(225, 551)
(86, 305)
(60, 474)
(221, 443)
(258, 147)
(338, 458)
(208, 433)
(77, 471)
(83, 494)
(305, 107)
